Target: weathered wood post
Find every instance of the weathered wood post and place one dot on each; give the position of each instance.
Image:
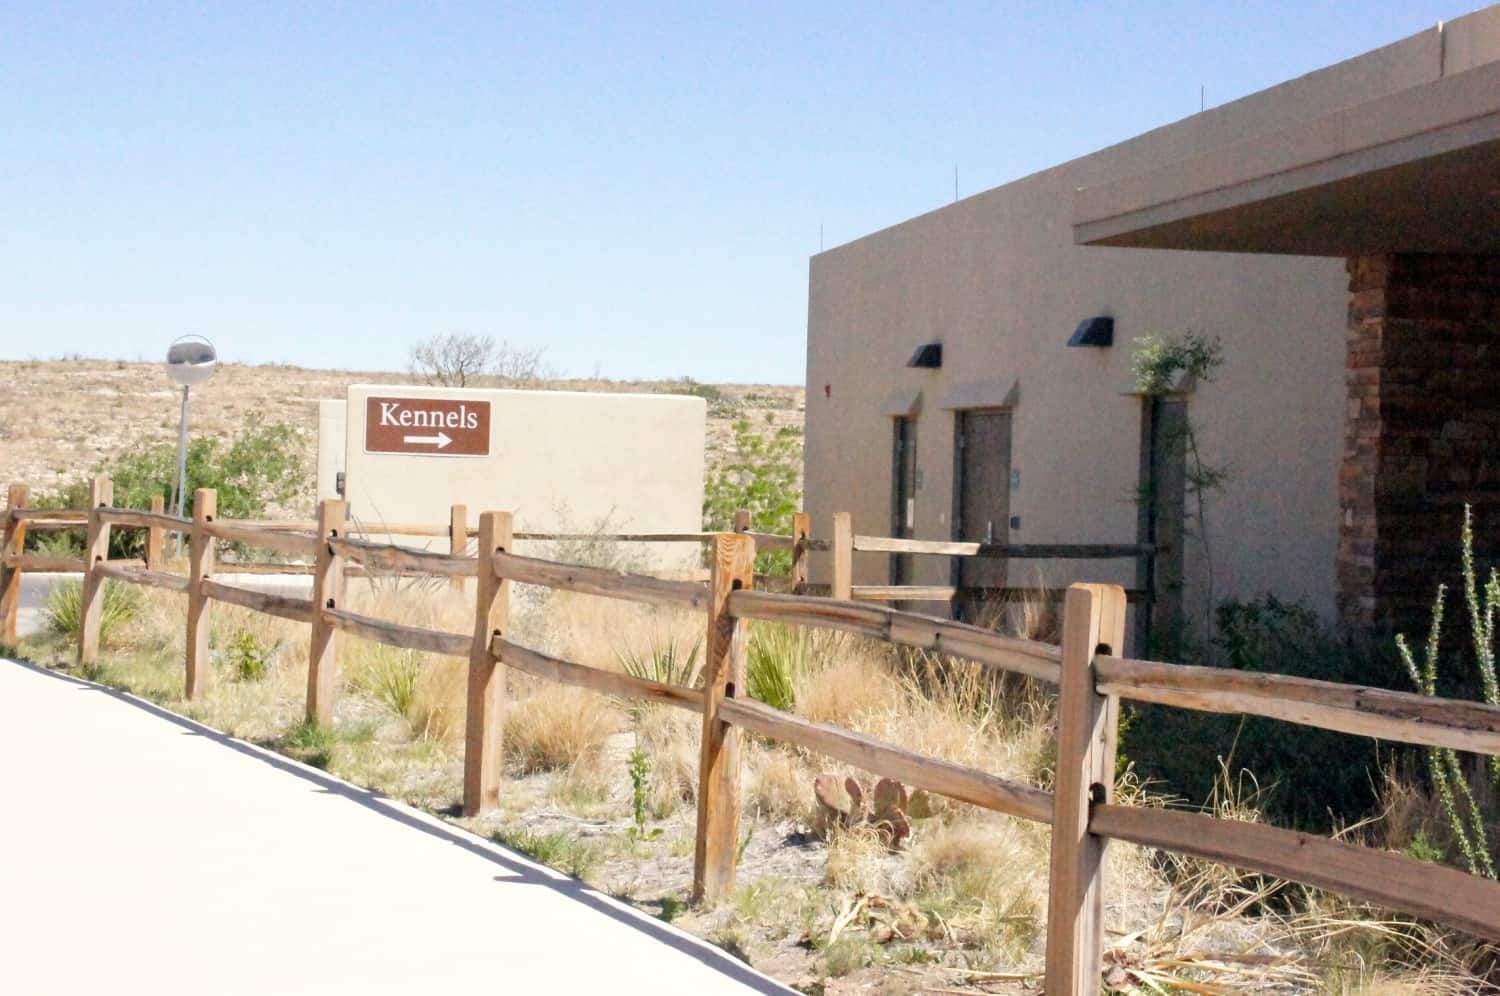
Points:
(718, 838)
(328, 593)
(14, 545)
(200, 566)
(484, 721)
(458, 539)
(1087, 725)
(95, 552)
(154, 536)
(843, 556)
(742, 520)
(801, 531)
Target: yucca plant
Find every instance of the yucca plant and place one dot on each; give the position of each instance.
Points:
(64, 609)
(777, 654)
(664, 661)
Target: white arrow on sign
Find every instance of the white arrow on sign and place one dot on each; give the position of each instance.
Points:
(441, 440)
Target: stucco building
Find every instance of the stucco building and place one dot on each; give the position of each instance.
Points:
(1337, 234)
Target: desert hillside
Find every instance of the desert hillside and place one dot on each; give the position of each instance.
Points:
(61, 419)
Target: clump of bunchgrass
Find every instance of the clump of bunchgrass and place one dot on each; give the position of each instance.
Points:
(778, 784)
(671, 738)
(557, 727)
(389, 675)
(311, 743)
(984, 880)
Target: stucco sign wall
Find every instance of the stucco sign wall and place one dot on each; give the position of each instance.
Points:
(432, 426)
(561, 461)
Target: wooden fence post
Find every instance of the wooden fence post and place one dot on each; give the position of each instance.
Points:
(1087, 724)
(801, 530)
(718, 839)
(458, 539)
(328, 593)
(154, 536)
(200, 566)
(742, 520)
(484, 723)
(13, 545)
(95, 552)
(843, 556)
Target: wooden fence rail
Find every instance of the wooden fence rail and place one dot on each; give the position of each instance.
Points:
(1089, 669)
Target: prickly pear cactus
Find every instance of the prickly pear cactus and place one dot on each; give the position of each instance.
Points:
(890, 813)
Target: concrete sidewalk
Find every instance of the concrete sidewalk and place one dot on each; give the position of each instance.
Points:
(143, 853)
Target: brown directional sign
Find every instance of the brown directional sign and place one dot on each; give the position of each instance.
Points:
(427, 426)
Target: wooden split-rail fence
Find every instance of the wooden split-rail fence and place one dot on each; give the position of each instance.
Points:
(845, 543)
(1089, 668)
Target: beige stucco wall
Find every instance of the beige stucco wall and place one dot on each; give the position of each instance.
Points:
(560, 460)
(998, 279)
(331, 427)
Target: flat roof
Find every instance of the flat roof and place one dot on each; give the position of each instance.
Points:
(1416, 170)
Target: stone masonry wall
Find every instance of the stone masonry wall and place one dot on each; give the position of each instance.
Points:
(1422, 433)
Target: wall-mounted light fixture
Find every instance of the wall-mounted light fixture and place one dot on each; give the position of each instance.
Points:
(929, 356)
(1098, 331)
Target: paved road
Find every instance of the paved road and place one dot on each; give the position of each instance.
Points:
(143, 853)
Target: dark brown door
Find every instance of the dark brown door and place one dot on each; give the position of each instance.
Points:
(983, 496)
(1163, 521)
(903, 495)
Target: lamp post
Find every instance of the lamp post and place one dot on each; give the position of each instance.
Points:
(191, 359)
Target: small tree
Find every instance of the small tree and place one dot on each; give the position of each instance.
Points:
(459, 360)
(515, 365)
(761, 476)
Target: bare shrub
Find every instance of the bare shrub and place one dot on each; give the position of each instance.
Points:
(460, 360)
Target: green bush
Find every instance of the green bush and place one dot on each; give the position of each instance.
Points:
(262, 466)
(64, 609)
(247, 657)
(1316, 779)
(391, 675)
(762, 477)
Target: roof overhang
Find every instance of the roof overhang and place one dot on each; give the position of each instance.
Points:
(1416, 171)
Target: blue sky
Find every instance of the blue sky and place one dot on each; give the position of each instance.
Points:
(635, 187)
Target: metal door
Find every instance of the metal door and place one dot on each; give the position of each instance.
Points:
(983, 493)
(903, 495)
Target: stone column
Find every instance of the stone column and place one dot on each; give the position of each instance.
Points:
(1422, 433)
